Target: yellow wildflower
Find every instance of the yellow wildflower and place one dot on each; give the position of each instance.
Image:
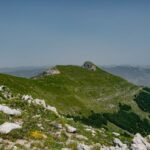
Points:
(37, 135)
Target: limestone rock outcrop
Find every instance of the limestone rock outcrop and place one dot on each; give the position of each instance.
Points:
(89, 66)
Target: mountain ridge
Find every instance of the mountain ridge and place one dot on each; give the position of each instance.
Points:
(90, 97)
(139, 75)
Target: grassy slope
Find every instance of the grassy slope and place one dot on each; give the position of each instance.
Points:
(32, 115)
(77, 90)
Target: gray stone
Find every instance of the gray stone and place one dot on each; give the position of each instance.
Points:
(89, 66)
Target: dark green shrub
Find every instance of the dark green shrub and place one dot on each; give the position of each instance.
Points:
(143, 101)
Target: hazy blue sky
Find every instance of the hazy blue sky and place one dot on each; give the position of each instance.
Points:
(48, 32)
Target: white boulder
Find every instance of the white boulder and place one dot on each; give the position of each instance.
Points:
(39, 102)
(116, 134)
(2, 88)
(9, 111)
(148, 137)
(105, 148)
(57, 125)
(139, 143)
(21, 142)
(119, 144)
(113, 148)
(7, 127)
(43, 104)
(52, 109)
(27, 97)
(52, 71)
(7, 95)
(83, 147)
(70, 129)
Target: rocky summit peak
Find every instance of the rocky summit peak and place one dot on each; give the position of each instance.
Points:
(89, 65)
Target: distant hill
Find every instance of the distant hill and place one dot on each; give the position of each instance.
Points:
(23, 71)
(136, 75)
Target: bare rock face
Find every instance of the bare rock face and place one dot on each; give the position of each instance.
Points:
(7, 127)
(48, 72)
(83, 147)
(89, 66)
(27, 97)
(148, 137)
(51, 71)
(118, 145)
(70, 129)
(140, 143)
(2, 87)
(116, 134)
(40, 102)
(9, 111)
(5, 92)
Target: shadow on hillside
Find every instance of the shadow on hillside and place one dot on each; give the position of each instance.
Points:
(128, 120)
(124, 118)
(95, 119)
(143, 99)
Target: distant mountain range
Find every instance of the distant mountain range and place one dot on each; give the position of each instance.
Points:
(23, 71)
(136, 75)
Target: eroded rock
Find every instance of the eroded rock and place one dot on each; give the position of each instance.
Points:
(2, 87)
(51, 71)
(70, 129)
(140, 143)
(9, 111)
(8, 127)
(27, 97)
(40, 102)
(83, 147)
(89, 66)
(116, 134)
